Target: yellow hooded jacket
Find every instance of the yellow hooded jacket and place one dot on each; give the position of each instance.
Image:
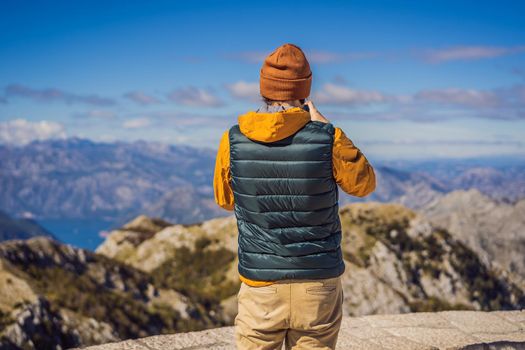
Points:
(351, 170)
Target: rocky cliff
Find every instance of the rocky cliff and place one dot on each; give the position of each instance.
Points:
(53, 296)
(494, 230)
(396, 261)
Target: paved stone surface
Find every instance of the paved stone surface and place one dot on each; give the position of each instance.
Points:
(451, 330)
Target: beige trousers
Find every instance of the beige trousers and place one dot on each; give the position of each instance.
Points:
(304, 314)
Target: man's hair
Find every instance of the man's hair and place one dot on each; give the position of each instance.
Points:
(269, 101)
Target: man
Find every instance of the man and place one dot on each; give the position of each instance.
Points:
(278, 169)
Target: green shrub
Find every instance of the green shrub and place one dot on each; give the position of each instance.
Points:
(200, 274)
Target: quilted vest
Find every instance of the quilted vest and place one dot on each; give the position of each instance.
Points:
(286, 205)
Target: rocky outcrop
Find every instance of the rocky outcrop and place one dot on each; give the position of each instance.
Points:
(36, 326)
(55, 296)
(458, 330)
(147, 250)
(396, 262)
(494, 230)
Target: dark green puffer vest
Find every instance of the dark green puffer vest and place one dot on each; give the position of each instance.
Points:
(286, 205)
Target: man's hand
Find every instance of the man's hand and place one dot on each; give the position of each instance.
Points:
(315, 115)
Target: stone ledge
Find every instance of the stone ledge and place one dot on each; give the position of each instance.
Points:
(469, 330)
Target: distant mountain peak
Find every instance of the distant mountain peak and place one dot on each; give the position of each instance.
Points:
(462, 199)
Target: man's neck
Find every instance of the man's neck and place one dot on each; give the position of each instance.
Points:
(285, 104)
(272, 108)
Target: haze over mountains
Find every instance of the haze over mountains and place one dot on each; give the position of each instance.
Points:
(77, 178)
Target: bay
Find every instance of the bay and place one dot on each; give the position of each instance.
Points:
(82, 233)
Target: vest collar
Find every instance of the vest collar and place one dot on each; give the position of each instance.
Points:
(273, 126)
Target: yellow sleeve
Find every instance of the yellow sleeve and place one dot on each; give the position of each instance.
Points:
(222, 178)
(352, 171)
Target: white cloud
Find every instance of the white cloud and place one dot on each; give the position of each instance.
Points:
(249, 56)
(141, 98)
(22, 131)
(466, 97)
(507, 103)
(322, 57)
(244, 90)
(136, 123)
(339, 94)
(54, 94)
(470, 53)
(98, 114)
(193, 96)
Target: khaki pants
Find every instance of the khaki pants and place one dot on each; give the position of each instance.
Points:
(304, 314)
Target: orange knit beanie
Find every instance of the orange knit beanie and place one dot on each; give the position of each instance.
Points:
(286, 74)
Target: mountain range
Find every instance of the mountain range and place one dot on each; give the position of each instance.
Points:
(78, 178)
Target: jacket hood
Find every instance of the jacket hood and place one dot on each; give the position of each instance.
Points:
(271, 127)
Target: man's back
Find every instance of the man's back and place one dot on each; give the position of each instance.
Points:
(286, 202)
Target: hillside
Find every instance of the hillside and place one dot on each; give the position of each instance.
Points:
(11, 228)
(152, 277)
(494, 230)
(53, 296)
(397, 261)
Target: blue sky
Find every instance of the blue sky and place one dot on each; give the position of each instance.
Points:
(403, 79)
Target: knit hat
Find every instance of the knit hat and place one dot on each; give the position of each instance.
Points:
(285, 74)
